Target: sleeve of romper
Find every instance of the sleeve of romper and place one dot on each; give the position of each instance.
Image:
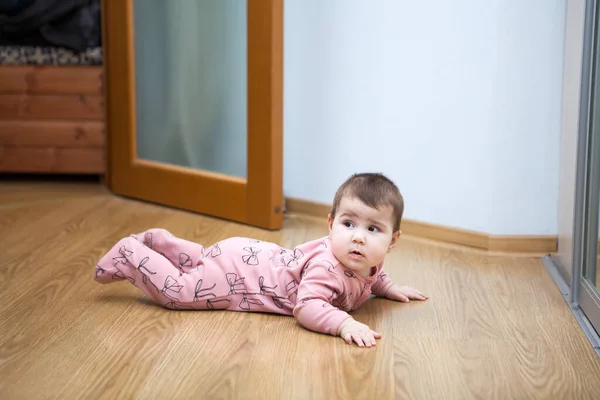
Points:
(382, 285)
(317, 289)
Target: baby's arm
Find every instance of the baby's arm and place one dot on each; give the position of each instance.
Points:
(383, 284)
(385, 287)
(317, 289)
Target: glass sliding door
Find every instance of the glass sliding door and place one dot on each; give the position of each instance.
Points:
(575, 267)
(589, 193)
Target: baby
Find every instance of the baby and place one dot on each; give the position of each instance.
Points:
(317, 282)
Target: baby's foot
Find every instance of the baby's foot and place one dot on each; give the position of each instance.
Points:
(145, 238)
(101, 275)
(104, 275)
(107, 270)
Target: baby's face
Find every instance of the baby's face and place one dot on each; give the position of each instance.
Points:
(361, 236)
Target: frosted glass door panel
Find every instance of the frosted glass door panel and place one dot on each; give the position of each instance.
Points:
(191, 83)
(589, 293)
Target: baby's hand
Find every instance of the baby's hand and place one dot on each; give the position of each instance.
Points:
(354, 331)
(404, 294)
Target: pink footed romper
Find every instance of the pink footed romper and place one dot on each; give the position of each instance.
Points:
(242, 274)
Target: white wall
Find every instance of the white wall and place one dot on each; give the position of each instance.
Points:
(458, 102)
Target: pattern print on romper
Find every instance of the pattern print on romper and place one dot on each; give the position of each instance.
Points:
(291, 289)
(296, 256)
(198, 295)
(278, 260)
(236, 285)
(185, 261)
(122, 259)
(252, 257)
(213, 251)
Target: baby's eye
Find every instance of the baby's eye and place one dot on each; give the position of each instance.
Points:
(373, 229)
(348, 224)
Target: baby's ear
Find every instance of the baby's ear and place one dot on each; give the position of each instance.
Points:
(395, 238)
(329, 222)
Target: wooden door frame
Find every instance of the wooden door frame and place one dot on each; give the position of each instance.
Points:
(242, 200)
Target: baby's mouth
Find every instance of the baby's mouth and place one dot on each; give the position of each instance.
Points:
(356, 254)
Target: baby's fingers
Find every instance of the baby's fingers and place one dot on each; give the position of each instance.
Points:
(367, 339)
(418, 295)
(403, 298)
(371, 340)
(361, 340)
(376, 335)
(347, 338)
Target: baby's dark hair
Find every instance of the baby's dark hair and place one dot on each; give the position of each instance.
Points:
(373, 189)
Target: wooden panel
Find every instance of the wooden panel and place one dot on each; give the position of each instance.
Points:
(57, 160)
(202, 190)
(106, 178)
(530, 243)
(445, 234)
(77, 107)
(307, 207)
(52, 134)
(51, 79)
(265, 113)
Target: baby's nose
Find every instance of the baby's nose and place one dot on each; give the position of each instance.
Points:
(357, 238)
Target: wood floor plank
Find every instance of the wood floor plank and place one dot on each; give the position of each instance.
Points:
(495, 327)
(39, 251)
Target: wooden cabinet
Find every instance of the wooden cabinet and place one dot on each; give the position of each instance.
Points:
(52, 119)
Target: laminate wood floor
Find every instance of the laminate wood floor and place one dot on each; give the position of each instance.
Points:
(495, 327)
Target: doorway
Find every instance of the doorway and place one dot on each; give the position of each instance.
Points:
(194, 93)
